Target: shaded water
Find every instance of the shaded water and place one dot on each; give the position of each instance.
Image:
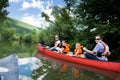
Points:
(46, 68)
(56, 69)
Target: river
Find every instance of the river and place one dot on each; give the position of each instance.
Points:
(44, 67)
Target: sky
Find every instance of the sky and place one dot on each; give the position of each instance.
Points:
(29, 11)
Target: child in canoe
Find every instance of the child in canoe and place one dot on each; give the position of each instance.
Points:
(65, 48)
(78, 50)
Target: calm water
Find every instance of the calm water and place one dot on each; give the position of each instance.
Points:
(44, 67)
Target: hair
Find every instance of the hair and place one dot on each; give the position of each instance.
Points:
(56, 35)
(99, 35)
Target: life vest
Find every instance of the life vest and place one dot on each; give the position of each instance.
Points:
(105, 51)
(66, 47)
(79, 48)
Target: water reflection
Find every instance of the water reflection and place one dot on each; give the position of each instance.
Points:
(26, 66)
(20, 49)
(11, 64)
(48, 68)
(75, 72)
(26, 61)
(61, 70)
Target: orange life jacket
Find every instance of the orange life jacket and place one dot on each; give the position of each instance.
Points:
(78, 50)
(63, 68)
(66, 47)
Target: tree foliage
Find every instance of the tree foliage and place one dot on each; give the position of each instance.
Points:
(81, 20)
(101, 17)
(62, 26)
(3, 11)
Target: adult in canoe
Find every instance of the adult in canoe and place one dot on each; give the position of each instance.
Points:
(100, 51)
(57, 44)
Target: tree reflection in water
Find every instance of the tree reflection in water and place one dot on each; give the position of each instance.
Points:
(54, 69)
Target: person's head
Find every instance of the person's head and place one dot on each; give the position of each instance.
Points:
(63, 41)
(98, 38)
(56, 37)
(77, 44)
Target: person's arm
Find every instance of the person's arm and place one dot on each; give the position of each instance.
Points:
(57, 43)
(89, 51)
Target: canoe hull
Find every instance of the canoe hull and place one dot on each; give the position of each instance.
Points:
(111, 66)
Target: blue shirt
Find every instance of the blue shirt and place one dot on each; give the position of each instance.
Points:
(98, 48)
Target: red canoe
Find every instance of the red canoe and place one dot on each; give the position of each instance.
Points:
(111, 66)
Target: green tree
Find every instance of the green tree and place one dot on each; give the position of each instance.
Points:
(3, 14)
(7, 31)
(101, 17)
(34, 36)
(3, 11)
(62, 25)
